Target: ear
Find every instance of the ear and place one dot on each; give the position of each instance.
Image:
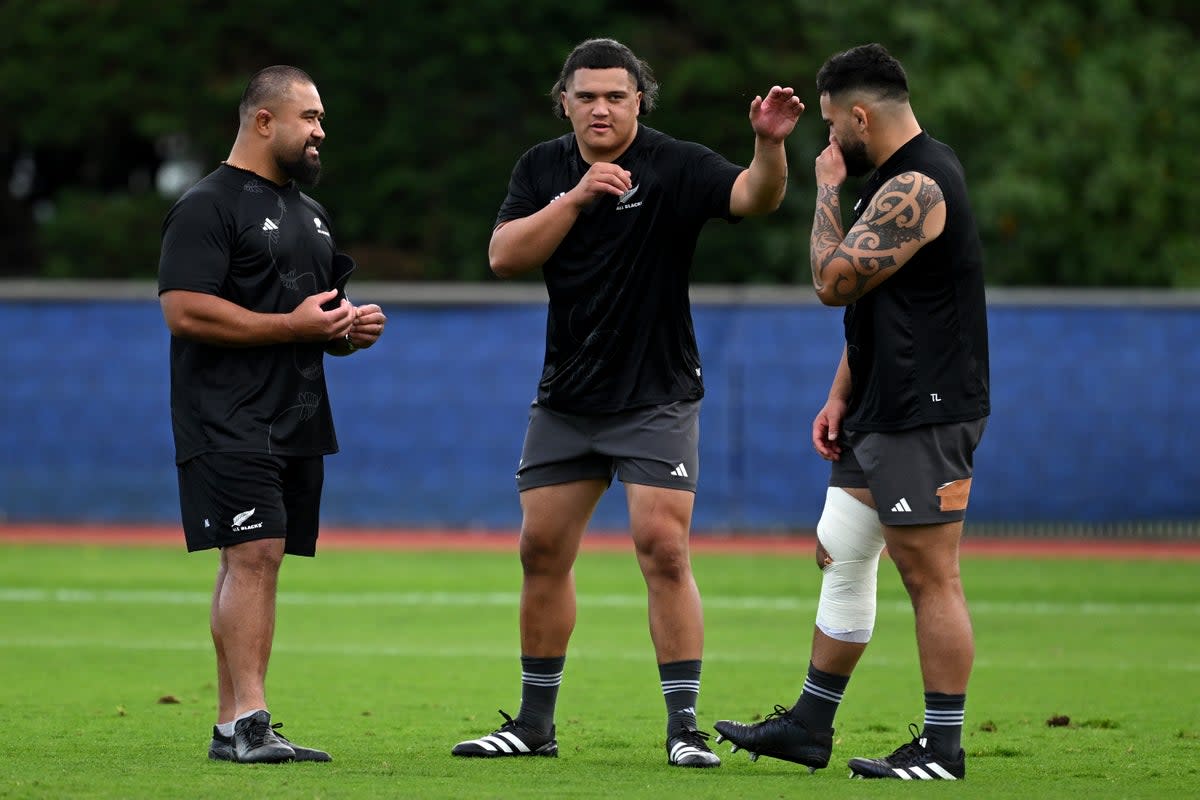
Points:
(562, 99)
(638, 104)
(262, 122)
(861, 118)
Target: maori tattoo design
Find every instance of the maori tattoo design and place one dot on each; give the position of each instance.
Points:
(889, 232)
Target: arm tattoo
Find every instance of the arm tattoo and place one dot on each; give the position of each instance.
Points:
(826, 231)
(880, 242)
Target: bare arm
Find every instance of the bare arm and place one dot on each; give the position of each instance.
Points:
(760, 187)
(520, 245)
(906, 213)
(214, 320)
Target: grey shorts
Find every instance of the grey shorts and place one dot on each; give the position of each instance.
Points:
(654, 446)
(230, 498)
(920, 476)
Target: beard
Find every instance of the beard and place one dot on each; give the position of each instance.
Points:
(854, 154)
(301, 169)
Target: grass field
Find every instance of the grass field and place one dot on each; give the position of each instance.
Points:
(388, 658)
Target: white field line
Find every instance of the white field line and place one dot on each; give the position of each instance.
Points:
(146, 597)
(136, 597)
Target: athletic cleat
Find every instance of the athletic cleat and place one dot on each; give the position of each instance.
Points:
(221, 747)
(688, 747)
(912, 761)
(255, 741)
(780, 736)
(512, 739)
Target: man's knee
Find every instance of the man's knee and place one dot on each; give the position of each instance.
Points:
(545, 553)
(926, 556)
(849, 541)
(256, 556)
(664, 556)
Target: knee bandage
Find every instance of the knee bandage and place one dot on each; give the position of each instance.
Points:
(851, 533)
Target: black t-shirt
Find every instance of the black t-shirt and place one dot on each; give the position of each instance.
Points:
(917, 345)
(619, 329)
(264, 247)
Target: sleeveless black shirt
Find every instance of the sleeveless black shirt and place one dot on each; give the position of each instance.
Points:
(917, 344)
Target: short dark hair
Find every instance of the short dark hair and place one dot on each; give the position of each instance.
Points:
(867, 66)
(270, 85)
(606, 54)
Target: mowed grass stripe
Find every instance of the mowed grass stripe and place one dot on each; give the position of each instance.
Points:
(511, 599)
(506, 653)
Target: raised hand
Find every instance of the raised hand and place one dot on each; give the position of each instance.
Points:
(775, 117)
(830, 166)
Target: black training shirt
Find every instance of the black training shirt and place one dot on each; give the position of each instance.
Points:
(917, 344)
(619, 327)
(264, 247)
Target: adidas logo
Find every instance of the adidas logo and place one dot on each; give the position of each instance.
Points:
(902, 505)
(269, 225)
(680, 471)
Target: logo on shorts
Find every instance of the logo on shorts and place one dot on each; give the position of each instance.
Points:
(902, 505)
(680, 471)
(238, 527)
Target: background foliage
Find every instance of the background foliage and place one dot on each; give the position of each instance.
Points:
(1075, 120)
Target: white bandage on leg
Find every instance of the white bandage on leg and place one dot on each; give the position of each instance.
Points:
(851, 533)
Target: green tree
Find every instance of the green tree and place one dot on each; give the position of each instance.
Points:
(1074, 120)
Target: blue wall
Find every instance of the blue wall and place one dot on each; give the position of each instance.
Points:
(1093, 411)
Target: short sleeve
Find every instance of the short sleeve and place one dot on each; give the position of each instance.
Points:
(197, 241)
(522, 196)
(707, 182)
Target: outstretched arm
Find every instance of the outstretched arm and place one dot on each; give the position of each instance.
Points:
(906, 213)
(760, 187)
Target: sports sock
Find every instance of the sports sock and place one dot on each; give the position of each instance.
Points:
(681, 688)
(249, 713)
(540, 679)
(820, 698)
(944, 714)
(225, 728)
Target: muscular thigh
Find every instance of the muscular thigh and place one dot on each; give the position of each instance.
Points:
(659, 516)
